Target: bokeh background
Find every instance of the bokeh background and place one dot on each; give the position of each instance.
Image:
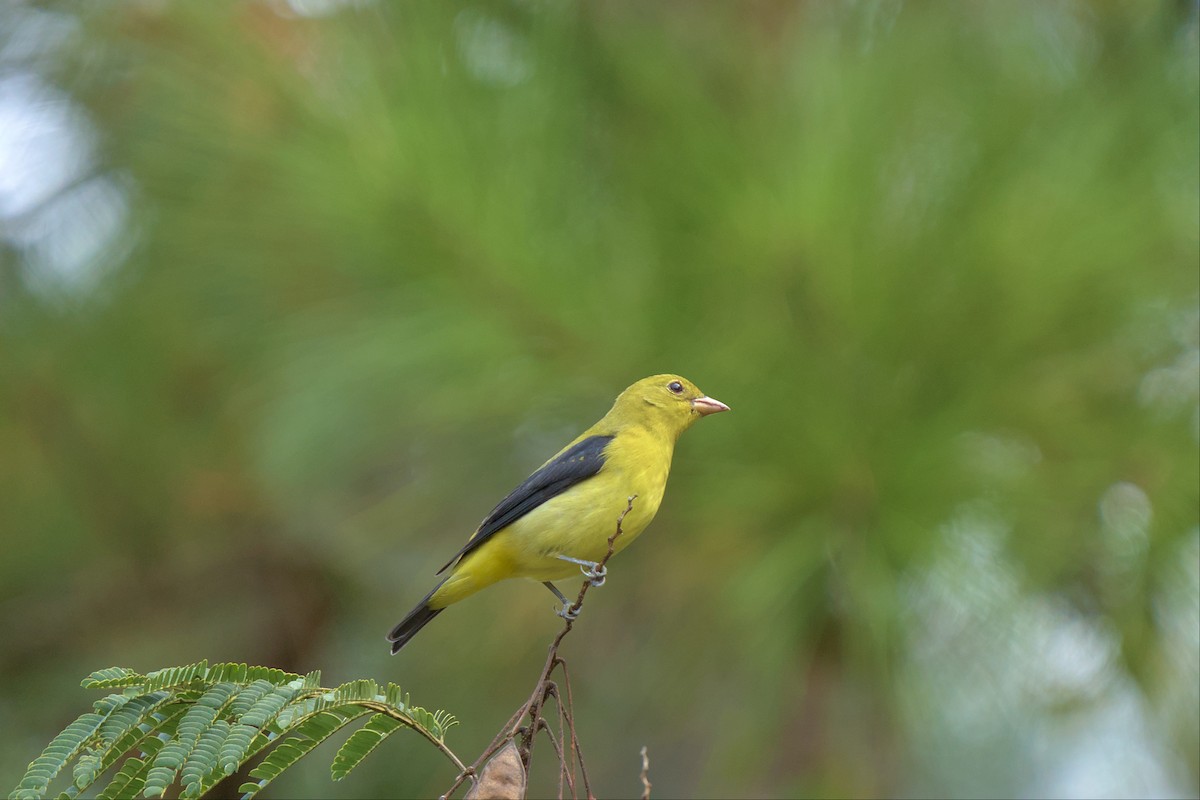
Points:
(291, 293)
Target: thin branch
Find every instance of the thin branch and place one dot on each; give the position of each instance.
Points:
(558, 751)
(645, 774)
(574, 735)
(562, 748)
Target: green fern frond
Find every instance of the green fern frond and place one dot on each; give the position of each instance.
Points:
(249, 696)
(174, 677)
(87, 767)
(235, 747)
(395, 696)
(357, 691)
(306, 736)
(128, 781)
(201, 768)
(61, 750)
(112, 678)
(444, 721)
(193, 725)
(125, 729)
(361, 743)
(318, 700)
(232, 672)
(125, 713)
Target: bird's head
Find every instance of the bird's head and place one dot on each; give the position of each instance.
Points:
(669, 402)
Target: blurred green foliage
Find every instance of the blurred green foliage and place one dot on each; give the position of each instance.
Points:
(329, 278)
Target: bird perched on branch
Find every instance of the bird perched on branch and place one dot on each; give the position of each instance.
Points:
(561, 517)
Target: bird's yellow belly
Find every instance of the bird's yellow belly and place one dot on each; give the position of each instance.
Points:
(577, 527)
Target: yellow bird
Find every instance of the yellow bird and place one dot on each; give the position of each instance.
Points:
(560, 518)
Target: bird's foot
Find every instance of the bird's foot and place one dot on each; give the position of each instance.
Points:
(595, 573)
(568, 612)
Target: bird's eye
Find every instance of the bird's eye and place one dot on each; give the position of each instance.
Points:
(675, 386)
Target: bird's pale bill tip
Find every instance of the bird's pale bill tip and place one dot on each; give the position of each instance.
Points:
(707, 405)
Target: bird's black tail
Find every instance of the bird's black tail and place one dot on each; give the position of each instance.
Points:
(416, 619)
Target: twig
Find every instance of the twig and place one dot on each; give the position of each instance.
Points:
(542, 690)
(578, 757)
(645, 774)
(562, 748)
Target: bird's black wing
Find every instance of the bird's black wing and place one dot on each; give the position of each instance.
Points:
(573, 465)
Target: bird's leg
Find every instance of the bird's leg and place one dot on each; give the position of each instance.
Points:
(594, 572)
(565, 612)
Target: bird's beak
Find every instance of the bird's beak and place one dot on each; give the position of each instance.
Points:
(706, 405)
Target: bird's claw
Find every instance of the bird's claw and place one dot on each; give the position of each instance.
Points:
(568, 612)
(596, 574)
